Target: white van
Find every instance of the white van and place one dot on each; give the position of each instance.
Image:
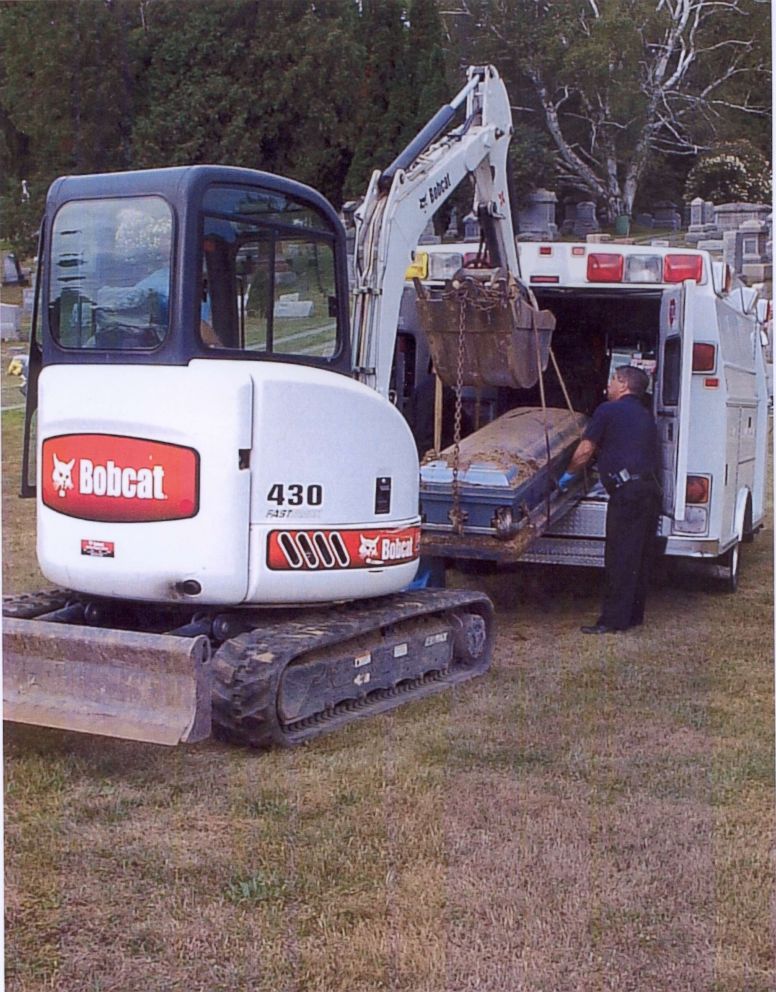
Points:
(677, 313)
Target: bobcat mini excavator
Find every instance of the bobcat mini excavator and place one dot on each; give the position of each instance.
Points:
(227, 500)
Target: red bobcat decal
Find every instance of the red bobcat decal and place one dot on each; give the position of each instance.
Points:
(119, 479)
(310, 550)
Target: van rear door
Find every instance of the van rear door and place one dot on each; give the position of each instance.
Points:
(672, 395)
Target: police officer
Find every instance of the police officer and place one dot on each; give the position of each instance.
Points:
(622, 437)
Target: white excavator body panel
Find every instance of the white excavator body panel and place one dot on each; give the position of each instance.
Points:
(227, 482)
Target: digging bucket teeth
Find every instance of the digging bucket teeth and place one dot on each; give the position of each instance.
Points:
(137, 686)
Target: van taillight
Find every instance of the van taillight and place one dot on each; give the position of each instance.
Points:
(698, 487)
(605, 267)
(703, 356)
(677, 268)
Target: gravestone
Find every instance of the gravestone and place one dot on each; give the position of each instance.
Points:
(569, 217)
(11, 272)
(755, 265)
(289, 305)
(666, 215)
(733, 254)
(755, 234)
(471, 228)
(10, 322)
(730, 216)
(536, 221)
(429, 235)
(697, 230)
(714, 245)
(452, 227)
(696, 213)
(586, 221)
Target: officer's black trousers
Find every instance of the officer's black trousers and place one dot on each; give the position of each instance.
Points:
(631, 519)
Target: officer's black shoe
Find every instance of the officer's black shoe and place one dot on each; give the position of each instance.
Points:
(601, 628)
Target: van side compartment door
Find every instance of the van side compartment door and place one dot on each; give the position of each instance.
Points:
(672, 395)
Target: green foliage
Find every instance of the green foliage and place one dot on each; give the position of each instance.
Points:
(239, 82)
(262, 887)
(20, 218)
(624, 86)
(66, 98)
(403, 83)
(323, 91)
(532, 162)
(663, 180)
(326, 91)
(738, 172)
(380, 91)
(67, 84)
(720, 178)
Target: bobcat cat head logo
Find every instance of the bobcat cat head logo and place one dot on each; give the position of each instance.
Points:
(367, 549)
(62, 476)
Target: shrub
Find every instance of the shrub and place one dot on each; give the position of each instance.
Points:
(736, 173)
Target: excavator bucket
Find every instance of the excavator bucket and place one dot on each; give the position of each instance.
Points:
(142, 687)
(481, 331)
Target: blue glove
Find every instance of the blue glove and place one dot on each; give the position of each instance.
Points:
(564, 482)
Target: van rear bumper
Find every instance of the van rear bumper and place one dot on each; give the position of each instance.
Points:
(692, 547)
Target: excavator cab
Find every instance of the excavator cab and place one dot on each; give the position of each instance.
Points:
(134, 262)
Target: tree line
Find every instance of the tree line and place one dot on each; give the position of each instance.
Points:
(613, 100)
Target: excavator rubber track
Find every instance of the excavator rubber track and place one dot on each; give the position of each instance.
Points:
(26, 606)
(286, 683)
(265, 678)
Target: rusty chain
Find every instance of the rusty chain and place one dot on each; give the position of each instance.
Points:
(456, 514)
(485, 298)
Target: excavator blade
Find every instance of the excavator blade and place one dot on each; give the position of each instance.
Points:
(143, 687)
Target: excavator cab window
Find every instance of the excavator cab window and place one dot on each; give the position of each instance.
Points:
(110, 273)
(268, 275)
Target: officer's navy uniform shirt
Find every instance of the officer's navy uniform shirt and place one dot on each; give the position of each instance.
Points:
(625, 437)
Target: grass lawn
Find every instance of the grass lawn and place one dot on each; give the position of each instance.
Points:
(594, 814)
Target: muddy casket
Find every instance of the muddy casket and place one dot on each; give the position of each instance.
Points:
(506, 479)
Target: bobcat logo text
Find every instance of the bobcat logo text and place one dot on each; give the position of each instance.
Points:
(379, 550)
(128, 483)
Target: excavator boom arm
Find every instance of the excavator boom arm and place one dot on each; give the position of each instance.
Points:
(400, 202)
